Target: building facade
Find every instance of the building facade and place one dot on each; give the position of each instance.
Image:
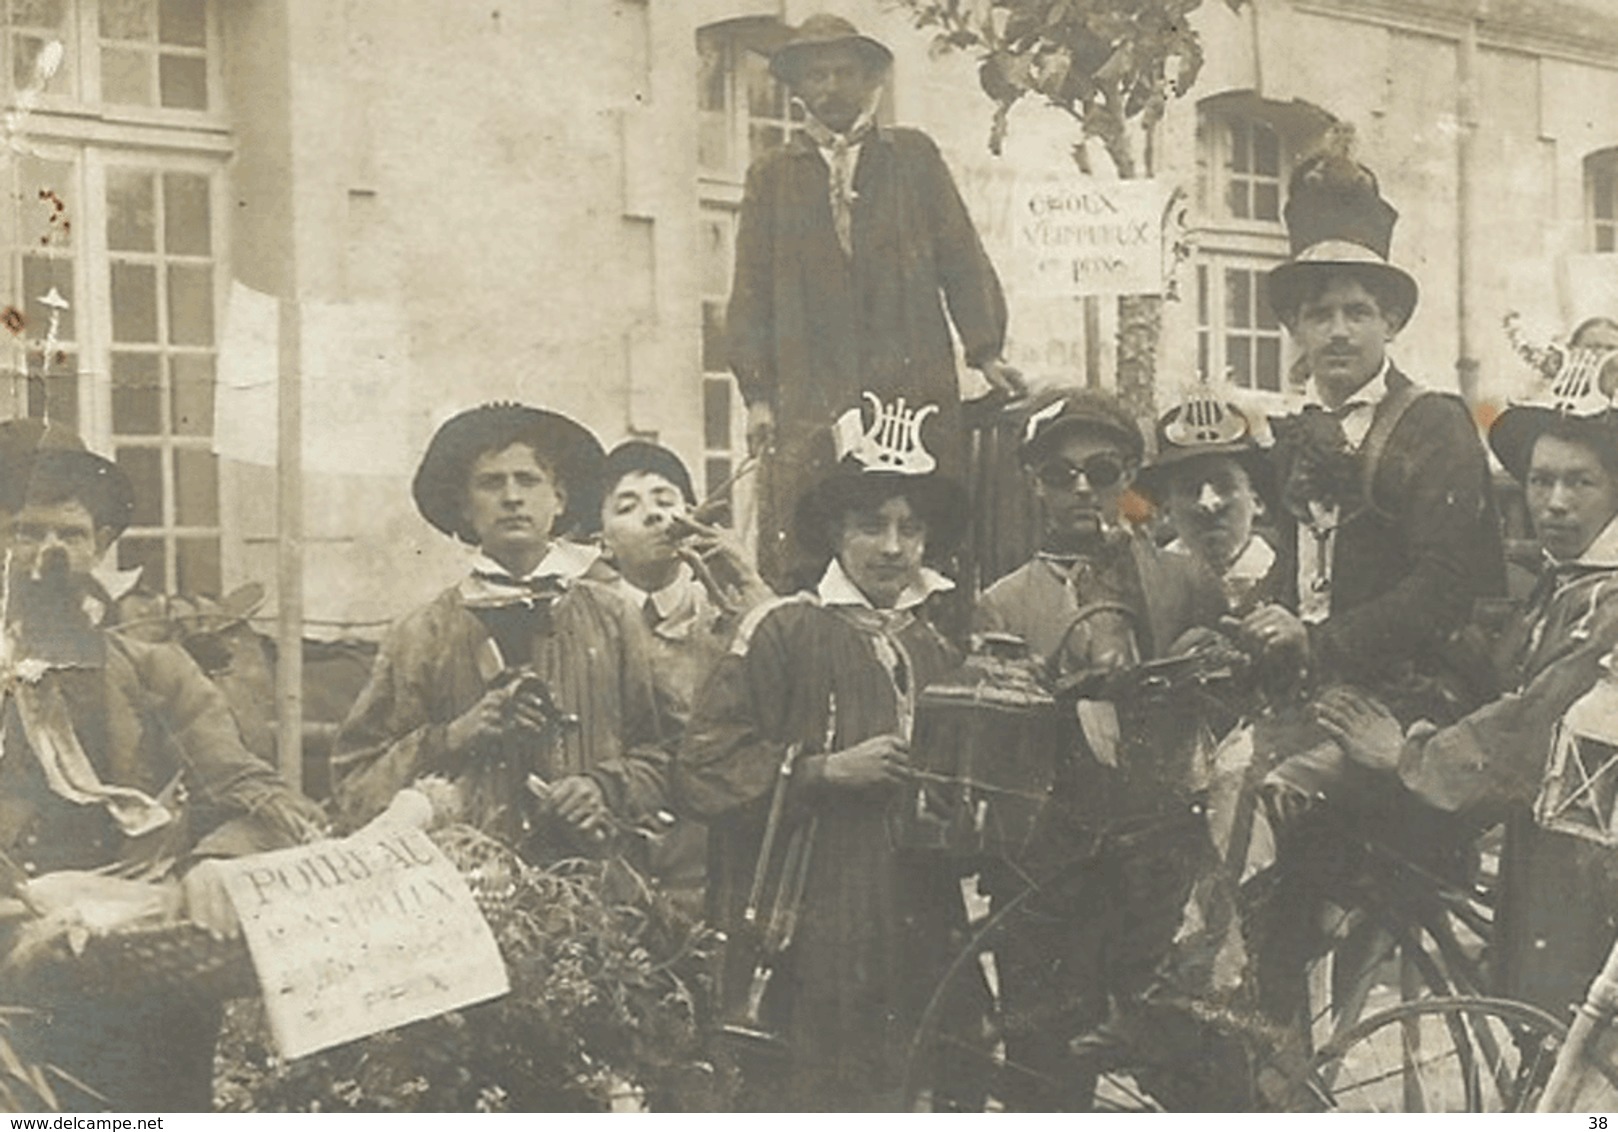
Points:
(463, 202)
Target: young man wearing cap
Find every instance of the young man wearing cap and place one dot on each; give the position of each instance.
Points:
(1380, 576)
(853, 241)
(795, 751)
(476, 685)
(1206, 478)
(1557, 916)
(120, 752)
(692, 584)
(1108, 908)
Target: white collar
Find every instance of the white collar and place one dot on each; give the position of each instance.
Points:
(1250, 565)
(1601, 552)
(562, 559)
(1368, 395)
(837, 588)
(670, 599)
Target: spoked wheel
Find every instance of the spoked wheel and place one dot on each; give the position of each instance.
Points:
(1464, 1054)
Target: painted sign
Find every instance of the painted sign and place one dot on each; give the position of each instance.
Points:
(1088, 237)
(357, 936)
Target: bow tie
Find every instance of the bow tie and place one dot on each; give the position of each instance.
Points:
(488, 589)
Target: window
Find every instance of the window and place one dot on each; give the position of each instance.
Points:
(1246, 147)
(742, 112)
(112, 256)
(1601, 188)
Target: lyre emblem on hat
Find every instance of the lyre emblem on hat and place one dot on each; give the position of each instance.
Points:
(1582, 380)
(892, 443)
(1204, 418)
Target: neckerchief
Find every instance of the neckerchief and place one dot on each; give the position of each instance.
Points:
(491, 586)
(842, 154)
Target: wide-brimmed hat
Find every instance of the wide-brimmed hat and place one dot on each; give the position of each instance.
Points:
(1338, 223)
(569, 449)
(824, 30)
(1575, 401)
(1204, 424)
(53, 473)
(876, 463)
(1056, 413)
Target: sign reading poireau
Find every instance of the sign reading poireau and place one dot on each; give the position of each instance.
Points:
(1088, 237)
(357, 936)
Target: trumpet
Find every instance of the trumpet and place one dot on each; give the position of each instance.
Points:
(732, 584)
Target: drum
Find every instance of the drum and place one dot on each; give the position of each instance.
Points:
(988, 738)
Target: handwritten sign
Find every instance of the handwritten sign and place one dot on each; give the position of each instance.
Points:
(1088, 237)
(357, 936)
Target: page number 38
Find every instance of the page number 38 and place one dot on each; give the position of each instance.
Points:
(1598, 1122)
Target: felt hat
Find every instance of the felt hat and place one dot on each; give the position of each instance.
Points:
(1060, 412)
(1203, 424)
(95, 481)
(824, 30)
(1576, 400)
(875, 463)
(1337, 223)
(569, 449)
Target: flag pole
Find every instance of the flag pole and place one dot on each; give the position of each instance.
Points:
(289, 543)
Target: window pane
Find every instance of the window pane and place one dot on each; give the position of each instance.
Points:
(137, 395)
(1239, 360)
(196, 488)
(1236, 200)
(46, 200)
(183, 22)
(145, 554)
(126, 77)
(190, 305)
(56, 395)
(182, 82)
(1267, 200)
(127, 19)
(39, 276)
(191, 381)
(134, 302)
(1202, 295)
(1601, 189)
(715, 471)
(131, 211)
(38, 13)
(1269, 364)
(1266, 151)
(1238, 298)
(1238, 148)
(144, 467)
(25, 62)
(713, 338)
(716, 413)
(186, 215)
(716, 255)
(1261, 303)
(198, 563)
(1203, 361)
(765, 98)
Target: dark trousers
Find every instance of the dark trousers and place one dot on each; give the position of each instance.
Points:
(138, 1053)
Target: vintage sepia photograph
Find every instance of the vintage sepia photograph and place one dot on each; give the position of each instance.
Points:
(808, 555)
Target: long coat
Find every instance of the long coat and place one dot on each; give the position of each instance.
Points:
(1406, 571)
(875, 927)
(594, 654)
(1557, 913)
(809, 328)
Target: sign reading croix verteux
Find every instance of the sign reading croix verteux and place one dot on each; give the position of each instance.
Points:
(357, 936)
(1089, 237)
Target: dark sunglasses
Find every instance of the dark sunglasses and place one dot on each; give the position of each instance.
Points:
(1100, 472)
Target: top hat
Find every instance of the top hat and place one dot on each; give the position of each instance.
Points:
(875, 464)
(567, 447)
(825, 30)
(1577, 398)
(1338, 222)
(1203, 425)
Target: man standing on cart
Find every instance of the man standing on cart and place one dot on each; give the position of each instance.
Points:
(1526, 757)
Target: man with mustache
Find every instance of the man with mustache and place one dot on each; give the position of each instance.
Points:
(853, 241)
(116, 756)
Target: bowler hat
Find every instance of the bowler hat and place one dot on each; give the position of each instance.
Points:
(825, 30)
(563, 445)
(1338, 223)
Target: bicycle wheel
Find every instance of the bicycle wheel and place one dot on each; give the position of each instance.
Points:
(1459, 1054)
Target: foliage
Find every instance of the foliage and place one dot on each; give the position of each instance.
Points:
(1105, 62)
(24, 1086)
(608, 979)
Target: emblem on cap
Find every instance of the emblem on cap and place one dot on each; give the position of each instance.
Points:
(892, 443)
(1581, 381)
(1203, 418)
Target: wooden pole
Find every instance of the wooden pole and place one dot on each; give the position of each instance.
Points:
(289, 543)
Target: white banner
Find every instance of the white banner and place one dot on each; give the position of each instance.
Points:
(1087, 237)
